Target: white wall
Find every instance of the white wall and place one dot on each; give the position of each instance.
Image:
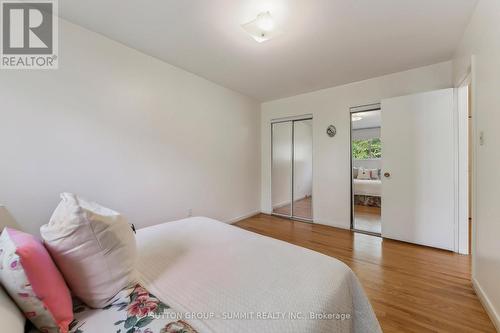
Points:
(481, 40)
(375, 163)
(331, 174)
(128, 131)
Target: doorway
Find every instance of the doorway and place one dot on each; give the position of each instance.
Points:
(366, 169)
(465, 166)
(424, 171)
(291, 174)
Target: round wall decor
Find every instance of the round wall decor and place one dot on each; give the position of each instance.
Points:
(331, 131)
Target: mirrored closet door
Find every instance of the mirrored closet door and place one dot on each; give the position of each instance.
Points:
(291, 176)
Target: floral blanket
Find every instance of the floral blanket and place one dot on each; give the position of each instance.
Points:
(134, 310)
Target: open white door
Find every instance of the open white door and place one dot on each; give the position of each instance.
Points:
(418, 169)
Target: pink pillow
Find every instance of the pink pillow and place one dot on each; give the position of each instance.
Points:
(32, 279)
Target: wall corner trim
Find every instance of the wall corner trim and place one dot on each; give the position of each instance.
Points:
(485, 301)
(242, 217)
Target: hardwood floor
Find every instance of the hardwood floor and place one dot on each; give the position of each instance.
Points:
(367, 219)
(412, 288)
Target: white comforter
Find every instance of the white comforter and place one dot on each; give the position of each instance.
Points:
(205, 267)
(368, 187)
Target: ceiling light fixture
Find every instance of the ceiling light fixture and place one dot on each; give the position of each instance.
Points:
(265, 21)
(262, 28)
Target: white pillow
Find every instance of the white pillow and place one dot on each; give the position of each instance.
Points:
(12, 319)
(364, 173)
(94, 248)
(374, 174)
(355, 172)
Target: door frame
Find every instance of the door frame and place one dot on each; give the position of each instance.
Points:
(461, 198)
(353, 110)
(292, 120)
(463, 192)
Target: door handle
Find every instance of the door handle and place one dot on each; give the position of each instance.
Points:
(387, 174)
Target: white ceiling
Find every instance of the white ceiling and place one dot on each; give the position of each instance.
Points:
(369, 119)
(324, 42)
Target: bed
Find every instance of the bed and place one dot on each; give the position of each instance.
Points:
(369, 187)
(227, 279)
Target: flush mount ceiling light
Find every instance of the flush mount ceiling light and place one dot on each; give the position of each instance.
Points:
(262, 28)
(356, 118)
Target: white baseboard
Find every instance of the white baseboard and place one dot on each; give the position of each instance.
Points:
(495, 318)
(333, 224)
(286, 203)
(281, 204)
(327, 223)
(242, 217)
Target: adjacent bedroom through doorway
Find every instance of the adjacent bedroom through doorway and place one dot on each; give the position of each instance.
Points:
(366, 160)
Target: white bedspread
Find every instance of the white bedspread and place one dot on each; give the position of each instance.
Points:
(368, 187)
(200, 265)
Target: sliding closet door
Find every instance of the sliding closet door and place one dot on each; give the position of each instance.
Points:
(281, 174)
(418, 168)
(302, 169)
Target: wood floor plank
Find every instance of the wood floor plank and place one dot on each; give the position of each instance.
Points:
(412, 288)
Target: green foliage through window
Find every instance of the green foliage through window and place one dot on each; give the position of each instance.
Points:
(366, 149)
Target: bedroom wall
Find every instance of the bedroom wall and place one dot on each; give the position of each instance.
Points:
(128, 131)
(481, 41)
(331, 166)
(375, 163)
